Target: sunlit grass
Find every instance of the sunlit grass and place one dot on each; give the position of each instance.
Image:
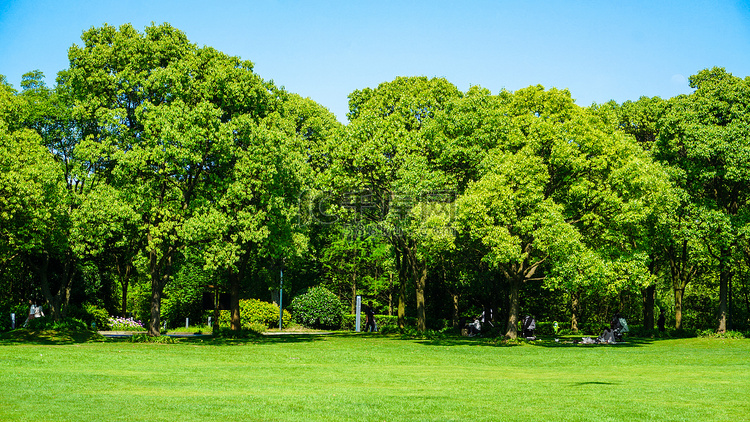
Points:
(349, 377)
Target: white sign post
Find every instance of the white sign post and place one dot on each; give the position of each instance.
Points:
(281, 298)
(359, 311)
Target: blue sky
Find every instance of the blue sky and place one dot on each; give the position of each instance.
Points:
(599, 50)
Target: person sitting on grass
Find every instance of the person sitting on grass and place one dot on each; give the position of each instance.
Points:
(475, 327)
(608, 336)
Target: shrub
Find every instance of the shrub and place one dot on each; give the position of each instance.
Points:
(389, 329)
(46, 323)
(435, 324)
(413, 333)
(317, 308)
(256, 312)
(547, 328)
(258, 328)
(727, 335)
(97, 315)
(145, 338)
(90, 314)
(225, 333)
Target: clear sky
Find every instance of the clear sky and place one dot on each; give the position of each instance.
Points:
(599, 50)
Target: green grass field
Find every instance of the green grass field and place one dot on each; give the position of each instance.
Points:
(363, 377)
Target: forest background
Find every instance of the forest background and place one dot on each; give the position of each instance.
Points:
(155, 171)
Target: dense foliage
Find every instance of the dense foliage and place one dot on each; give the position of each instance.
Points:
(165, 180)
(317, 308)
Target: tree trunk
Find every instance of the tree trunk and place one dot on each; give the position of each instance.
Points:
(68, 289)
(649, 298)
(724, 275)
(723, 294)
(420, 279)
(575, 301)
(678, 294)
(124, 274)
(159, 269)
(57, 300)
(681, 275)
(52, 299)
(234, 300)
(124, 308)
(156, 291)
(215, 327)
(354, 293)
(456, 317)
(390, 294)
(401, 290)
(402, 305)
(514, 302)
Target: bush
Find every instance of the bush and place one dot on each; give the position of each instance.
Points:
(145, 338)
(547, 328)
(97, 315)
(413, 333)
(259, 328)
(441, 325)
(584, 328)
(727, 335)
(90, 314)
(254, 312)
(317, 308)
(46, 323)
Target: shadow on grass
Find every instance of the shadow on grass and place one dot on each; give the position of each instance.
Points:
(261, 339)
(63, 337)
(576, 342)
(50, 337)
(56, 337)
(541, 342)
(581, 384)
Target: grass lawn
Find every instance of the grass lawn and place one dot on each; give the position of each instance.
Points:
(366, 377)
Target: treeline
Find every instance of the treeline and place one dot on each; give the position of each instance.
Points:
(156, 171)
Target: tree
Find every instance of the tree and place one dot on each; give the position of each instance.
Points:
(641, 120)
(157, 120)
(521, 229)
(253, 217)
(381, 167)
(706, 141)
(106, 226)
(38, 231)
(561, 195)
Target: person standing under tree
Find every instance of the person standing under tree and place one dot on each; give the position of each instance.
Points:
(660, 321)
(32, 312)
(370, 321)
(38, 312)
